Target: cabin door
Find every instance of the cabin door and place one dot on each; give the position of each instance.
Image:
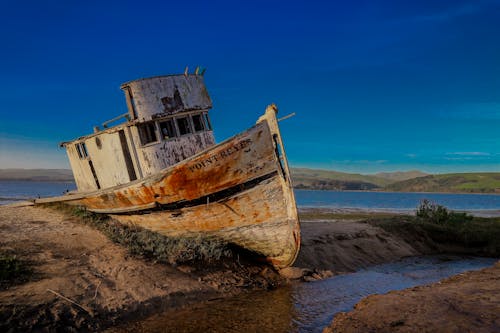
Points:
(94, 174)
(126, 156)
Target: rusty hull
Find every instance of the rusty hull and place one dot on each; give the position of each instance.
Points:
(239, 191)
(255, 219)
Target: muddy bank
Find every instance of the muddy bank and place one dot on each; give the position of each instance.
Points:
(346, 242)
(81, 280)
(345, 246)
(468, 302)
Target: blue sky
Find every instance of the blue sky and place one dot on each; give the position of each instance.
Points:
(376, 85)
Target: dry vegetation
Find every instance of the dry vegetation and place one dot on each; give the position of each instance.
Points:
(150, 244)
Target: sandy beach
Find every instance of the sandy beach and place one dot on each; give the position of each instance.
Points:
(83, 281)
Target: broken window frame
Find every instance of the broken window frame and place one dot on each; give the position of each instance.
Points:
(188, 125)
(172, 131)
(81, 149)
(201, 122)
(206, 120)
(148, 133)
(77, 148)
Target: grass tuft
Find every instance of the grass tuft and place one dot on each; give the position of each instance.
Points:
(149, 244)
(12, 268)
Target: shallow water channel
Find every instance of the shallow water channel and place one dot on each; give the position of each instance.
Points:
(307, 307)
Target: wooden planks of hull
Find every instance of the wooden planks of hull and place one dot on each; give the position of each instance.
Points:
(256, 219)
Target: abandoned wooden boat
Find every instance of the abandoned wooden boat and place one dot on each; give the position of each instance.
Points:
(162, 170)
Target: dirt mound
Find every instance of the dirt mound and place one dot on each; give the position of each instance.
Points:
(468, 302)
(346, 246)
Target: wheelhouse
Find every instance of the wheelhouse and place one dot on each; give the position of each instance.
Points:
(167, 121)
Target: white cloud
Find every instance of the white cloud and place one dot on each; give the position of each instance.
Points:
(469, 153)
(360, 161)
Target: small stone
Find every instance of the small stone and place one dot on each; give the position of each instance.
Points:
(293, 273)
(309, 278)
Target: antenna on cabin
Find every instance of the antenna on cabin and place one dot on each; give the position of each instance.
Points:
(197, 70)
(287, 116)
(186, 71)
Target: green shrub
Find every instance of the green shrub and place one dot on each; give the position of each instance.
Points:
(431, 212)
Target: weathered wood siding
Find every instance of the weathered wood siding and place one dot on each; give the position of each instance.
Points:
(108, 160)
(81, 170)
(158, 156)
(166, 95)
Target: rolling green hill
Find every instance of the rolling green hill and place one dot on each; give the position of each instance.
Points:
(408, 181)
(400, 175)
(487, 182)
(333, 180)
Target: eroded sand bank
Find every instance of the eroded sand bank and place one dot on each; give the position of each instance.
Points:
(467, 302)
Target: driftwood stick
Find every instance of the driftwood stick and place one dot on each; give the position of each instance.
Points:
(97, 288)
(69, 300)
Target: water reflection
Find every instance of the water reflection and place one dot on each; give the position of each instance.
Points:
(272, 311)
(307, 307)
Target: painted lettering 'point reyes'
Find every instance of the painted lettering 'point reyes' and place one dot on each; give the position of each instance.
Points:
(162, 170)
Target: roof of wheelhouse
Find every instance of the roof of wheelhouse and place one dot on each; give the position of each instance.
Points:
(159, 96)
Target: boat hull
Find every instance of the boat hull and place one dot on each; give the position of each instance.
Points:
(255, 219)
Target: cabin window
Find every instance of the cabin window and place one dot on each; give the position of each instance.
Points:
(208, 126)
(81, 149)
(84, 149)
(198, 123)
(147, 132)
(77, 147)
(183, 124)
(167, 129)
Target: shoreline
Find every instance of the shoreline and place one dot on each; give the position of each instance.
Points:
(392, 211)
(396, 192)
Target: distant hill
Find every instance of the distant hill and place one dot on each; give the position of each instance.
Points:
(315, 179)
(486, 182)
(304, 178)
(40, 175)
(400, 175)
(408, 181)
